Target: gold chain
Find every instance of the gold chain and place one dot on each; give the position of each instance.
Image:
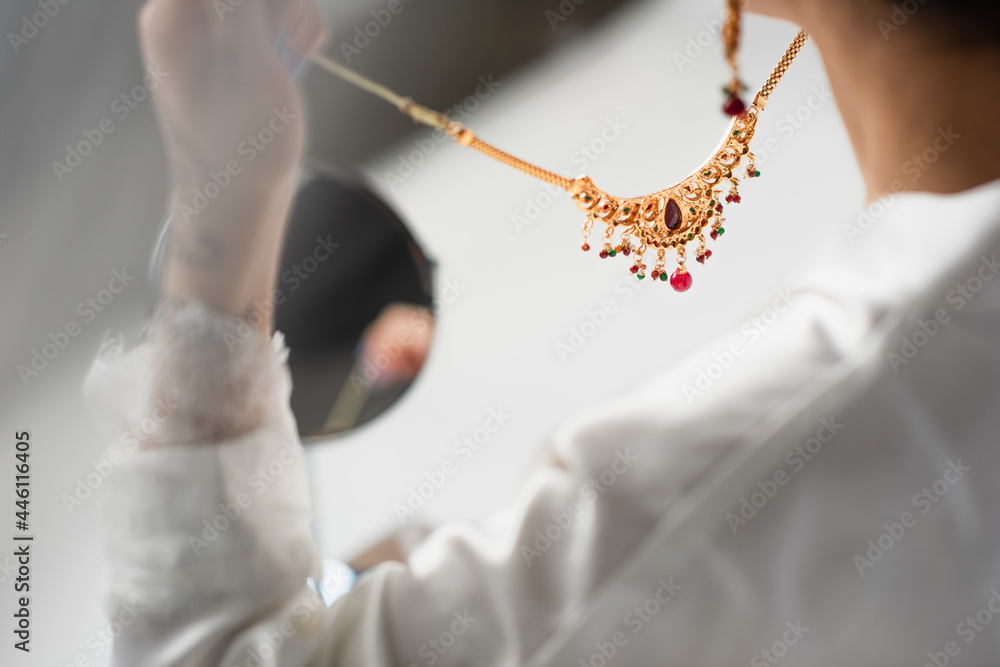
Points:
(784, 64)
(465, 137)
(517, 163)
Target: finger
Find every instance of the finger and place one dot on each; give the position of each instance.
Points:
(300, 30)
(311, 34)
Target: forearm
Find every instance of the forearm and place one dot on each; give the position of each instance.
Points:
(226, 255)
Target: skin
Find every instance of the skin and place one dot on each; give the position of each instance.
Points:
(398, 341)
(896, 94)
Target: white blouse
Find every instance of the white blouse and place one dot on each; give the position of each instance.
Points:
(830, 495)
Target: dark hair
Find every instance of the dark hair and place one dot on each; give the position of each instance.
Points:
(972, 23)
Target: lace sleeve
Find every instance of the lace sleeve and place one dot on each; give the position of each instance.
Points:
(208, 521)
(212, 375)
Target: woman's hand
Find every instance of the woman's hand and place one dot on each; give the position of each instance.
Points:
(233, 123)
(225, 83)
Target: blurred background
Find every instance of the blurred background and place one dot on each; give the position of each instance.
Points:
(626, 91)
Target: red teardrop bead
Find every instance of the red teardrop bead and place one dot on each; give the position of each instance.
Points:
(635, 269)
(604, 254)
(714, 234)
(681, 281)
(734, 106)
(672, 215)
(708, 253)
(655, 274)
(701, 259)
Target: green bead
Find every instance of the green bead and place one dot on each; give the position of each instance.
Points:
(612, 253)
(640, 276)
(663, 276)
(756, 174)
(586, 198)
(722, 230)
(690, 236)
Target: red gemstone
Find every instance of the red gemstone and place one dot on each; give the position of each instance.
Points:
(604, 253)
(719, 208)
(626, 251)
(655, 274)
(635, 269)
(708, 253)
(701, 259)
(734, 106)
(672, 215)
(681, 280)
(714, 234)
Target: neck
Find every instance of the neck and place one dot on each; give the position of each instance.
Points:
(922, 115)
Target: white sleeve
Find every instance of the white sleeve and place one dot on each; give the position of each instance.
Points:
(210, 545)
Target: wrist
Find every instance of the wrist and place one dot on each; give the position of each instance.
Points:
(225, 242)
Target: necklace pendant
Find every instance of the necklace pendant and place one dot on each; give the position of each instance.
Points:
(680, 214)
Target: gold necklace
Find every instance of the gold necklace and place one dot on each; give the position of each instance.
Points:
(669, 219)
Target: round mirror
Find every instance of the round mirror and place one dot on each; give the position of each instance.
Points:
(355, 303)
